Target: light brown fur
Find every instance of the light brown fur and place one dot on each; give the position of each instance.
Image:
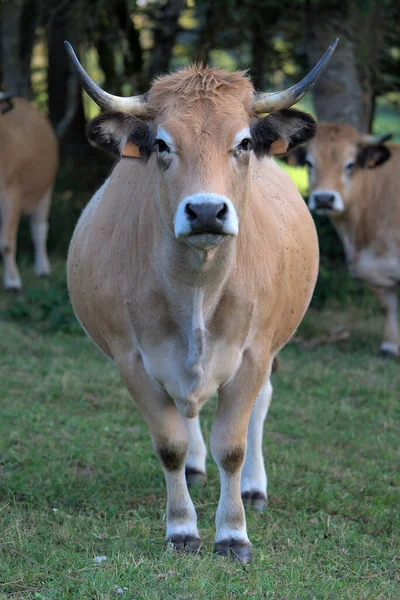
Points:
(370, 222)
(183, 324)
(28, 164)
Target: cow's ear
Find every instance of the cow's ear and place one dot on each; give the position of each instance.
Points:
(369, 157)
(296, 157)
(282, 131)
(118, 133)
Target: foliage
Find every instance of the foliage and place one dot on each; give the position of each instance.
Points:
(79, 479)
(43, 305)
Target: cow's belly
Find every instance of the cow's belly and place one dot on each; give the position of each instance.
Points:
(191, 383)
(376, 271)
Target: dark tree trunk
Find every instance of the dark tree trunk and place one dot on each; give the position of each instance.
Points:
(208, 32)
(64, 94)
(165, 32)
(344, 94)
(18, 23)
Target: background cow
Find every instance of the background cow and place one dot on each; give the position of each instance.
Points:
(192, 266)
(28, 165)
(354, 180)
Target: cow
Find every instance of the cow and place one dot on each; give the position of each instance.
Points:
(354, 180)
(191, 267)
(28, 166)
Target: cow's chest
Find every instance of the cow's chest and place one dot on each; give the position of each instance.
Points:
(191, 358)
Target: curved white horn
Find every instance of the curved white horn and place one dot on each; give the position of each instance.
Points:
(133, 105)
(264, 102)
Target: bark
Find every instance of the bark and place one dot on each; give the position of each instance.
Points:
(345, 94)
(18, 22)
(64, 94)
(165, 32)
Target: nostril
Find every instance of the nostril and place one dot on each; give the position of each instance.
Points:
(191, 213)
(331, 199)
(222, 212)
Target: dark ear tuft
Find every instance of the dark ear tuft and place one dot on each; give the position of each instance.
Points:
(369, 157)
(111, 131)
(294, 127)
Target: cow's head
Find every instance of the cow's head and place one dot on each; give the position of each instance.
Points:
(199, 127)
(335, 158)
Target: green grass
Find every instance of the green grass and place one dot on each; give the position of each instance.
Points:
(78, 477)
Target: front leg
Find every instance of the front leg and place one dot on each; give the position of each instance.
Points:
(228, 447)
(387, 298)
(170, 438)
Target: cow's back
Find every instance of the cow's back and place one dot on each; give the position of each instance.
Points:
(28, 153)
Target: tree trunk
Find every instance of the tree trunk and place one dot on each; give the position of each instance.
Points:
(344, 94)
(64, 94)
(18, 22)
(165, 32)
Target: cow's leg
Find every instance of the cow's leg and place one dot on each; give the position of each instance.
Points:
(254, 478)
(391, 337)
(10, 216)
(170, 438)
(39, 229)
(196, 459)
(228, 447)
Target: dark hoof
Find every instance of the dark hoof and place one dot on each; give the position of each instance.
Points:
(184, 543)
(13, 290)
(257, 500)
(388, 354)
(194, 476)
(235, 549)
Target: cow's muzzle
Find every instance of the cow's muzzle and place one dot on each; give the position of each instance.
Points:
(326, 201)
(206, 219)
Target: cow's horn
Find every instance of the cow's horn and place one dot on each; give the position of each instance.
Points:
(375, 140)
(134, 105)
(264, 102)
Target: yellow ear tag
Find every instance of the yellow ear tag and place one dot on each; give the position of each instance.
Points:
(131, 150)
(278, 147)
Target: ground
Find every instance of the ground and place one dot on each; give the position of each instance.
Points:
(79, 480)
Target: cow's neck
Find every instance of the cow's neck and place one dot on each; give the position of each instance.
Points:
(345, 230)
(193, 282)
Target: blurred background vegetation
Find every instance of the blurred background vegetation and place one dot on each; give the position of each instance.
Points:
(124, 44)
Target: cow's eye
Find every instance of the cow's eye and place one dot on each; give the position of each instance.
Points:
(244, 146)
(162, 146)
(349, 167)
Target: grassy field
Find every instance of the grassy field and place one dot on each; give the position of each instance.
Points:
(78, 478)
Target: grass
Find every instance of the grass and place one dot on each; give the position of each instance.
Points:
(78, 477)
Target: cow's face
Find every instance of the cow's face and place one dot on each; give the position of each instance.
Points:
(335, 159)
(202, 141)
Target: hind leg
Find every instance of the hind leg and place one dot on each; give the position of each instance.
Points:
(10, 216)
(254, 478)
(39, 229)
(196, 459)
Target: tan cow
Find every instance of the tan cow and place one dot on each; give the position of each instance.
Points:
(355, 180)
(28, 165)
(191, 267)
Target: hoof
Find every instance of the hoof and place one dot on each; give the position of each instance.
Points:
(389, 350)
(257, 500)
(13, 290)
(388, 354)
(184, 543)
(236, 549)
(194, 476)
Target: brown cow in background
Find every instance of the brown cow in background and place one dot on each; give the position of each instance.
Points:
(28, 165)
(354, 180)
